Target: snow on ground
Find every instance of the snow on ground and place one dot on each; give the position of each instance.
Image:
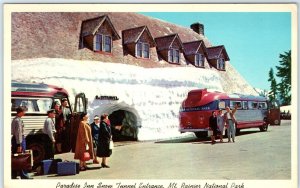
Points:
(153, 95)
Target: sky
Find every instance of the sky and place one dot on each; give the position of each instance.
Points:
(253, 40)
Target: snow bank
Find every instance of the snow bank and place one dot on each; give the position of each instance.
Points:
(153, 95)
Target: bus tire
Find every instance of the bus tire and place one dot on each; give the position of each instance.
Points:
(277, 122)
(38, 152)
(201, 134)
(263, 128)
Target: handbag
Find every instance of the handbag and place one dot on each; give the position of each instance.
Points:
(86, 156)
(111, 145)
(21, 161)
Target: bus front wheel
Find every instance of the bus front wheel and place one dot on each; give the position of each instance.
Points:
(38, 152)
(263, 128)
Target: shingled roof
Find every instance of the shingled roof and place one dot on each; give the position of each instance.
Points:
(165, 42)
(132, 35)
(215, 52)
(91, 26)
(193, 47)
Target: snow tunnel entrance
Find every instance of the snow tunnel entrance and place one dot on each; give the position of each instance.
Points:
(128, 120)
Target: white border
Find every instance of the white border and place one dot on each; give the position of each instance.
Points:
(9, 8)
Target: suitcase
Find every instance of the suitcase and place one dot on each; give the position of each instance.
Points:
(21, 161)
(50, 166)
(66, 168)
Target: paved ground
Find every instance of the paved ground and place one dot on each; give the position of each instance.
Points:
(255, 155)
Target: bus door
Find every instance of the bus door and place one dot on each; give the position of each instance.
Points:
(79, 108)
(274, 113)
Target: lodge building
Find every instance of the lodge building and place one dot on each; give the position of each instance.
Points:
(99, 35)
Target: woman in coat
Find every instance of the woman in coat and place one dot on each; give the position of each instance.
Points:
(103, 149)
(221, 124)
(84, 139)
(213, 126)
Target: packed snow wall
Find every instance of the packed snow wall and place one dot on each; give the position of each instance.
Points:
(149, 99)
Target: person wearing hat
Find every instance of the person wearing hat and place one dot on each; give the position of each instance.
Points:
(65, 113)
(230, 122)
(18, 143)
(49, 128)
(84, 142)
(95, 126)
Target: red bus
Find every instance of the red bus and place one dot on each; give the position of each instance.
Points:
(38, 99)
(253, 111)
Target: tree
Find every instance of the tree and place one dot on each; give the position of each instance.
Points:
(273, 90)
(284, 72)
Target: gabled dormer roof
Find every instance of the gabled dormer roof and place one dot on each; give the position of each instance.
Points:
(91, 26)
(132, 35)
(191, 48)
(165, 42)
(216, 51)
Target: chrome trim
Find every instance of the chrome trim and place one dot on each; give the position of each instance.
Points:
(192, 130)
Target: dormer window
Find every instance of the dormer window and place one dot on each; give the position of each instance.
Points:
(173, 56)
(199, 60)
(195, 53)
(217, 57)
(169, 48)
(98, 34)
(142, 50)
(138, 42)
(102, 43)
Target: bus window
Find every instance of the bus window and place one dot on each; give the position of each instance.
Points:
(262, 105)
(234, 103)
(245, 105)
(36, 105)
(252, 105)
(221, 104)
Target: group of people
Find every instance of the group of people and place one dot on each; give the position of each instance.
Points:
(218, 121)
(94, 139)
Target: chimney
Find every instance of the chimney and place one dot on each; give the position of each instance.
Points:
(198, 28)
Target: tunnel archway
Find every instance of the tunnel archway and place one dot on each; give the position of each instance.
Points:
(128, 121)
(119, 114)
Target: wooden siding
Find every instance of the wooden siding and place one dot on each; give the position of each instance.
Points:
(105, 29)
(89, 42)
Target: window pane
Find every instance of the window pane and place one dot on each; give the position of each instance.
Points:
(139, 50)
(197, 60)
(98, 46)
(107, 44)
(201, 60)
(38, 105)
(234, 103)
(176, 56)
(146, 50)
(170, 55)
(221, 64)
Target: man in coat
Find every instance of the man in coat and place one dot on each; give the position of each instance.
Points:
(230, 122)
(49, 129)
(18, 140)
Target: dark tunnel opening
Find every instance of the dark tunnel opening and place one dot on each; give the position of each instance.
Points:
(128, 122)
